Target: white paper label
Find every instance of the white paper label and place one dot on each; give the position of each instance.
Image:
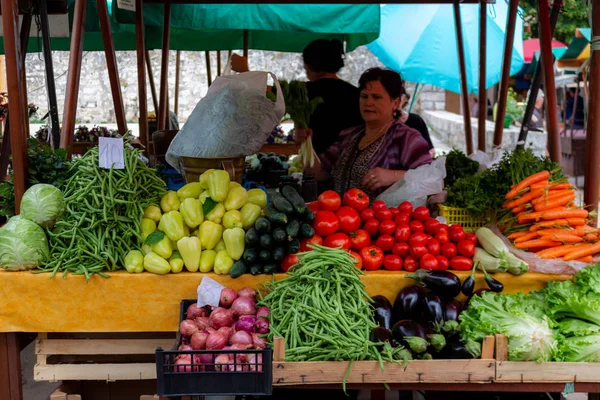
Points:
(111, 153)
(209, 292)
(126, 4)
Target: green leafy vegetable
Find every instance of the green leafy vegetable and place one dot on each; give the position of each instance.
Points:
(458, 165)
(43, 204)
(23, 245)
(297, 104)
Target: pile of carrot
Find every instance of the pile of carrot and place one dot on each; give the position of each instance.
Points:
(548, 221)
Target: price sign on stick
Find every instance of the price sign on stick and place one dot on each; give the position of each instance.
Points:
(111, 153)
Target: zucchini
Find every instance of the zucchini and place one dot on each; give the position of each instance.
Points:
(281, 204)
(292, 229)
(262, 225)
(266, 241)
(294, 198)
(270, 269)
(275, 216)
(256, 269)
(492, 243)
(306, 231)
(278, 253)
(264, 256)
(309, 215)
(250, 256)
(238, 269)
(491, 264)
(252, 237)
(279, 235)
(294, 246)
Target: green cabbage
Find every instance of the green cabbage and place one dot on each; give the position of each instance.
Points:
(42, 204)
(588, 279)
(23, 245)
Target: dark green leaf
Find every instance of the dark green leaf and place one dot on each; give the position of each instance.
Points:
(154, 237)
(208, 205)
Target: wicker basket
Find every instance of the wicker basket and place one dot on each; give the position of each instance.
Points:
(462, 217)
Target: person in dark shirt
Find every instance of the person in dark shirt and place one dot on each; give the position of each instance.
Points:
(414, 121)
(579, 114)
(340, 108)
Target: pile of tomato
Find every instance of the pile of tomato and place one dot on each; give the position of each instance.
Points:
(398, 238)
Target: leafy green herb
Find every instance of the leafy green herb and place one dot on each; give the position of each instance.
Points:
(208, 205)
(458, 165)
(297, 104)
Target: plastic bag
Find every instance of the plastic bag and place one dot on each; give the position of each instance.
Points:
(234, 119)
(485, 160)
(417, 184)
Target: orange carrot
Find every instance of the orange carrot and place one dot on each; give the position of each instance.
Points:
(554, 202)
(516, 235)
(580, 253)
(586, 259)
(540, 185)
(591, 237)
(555, 252)
(558, 223)
(535, 216)
(565, 238)
(545, 197)
(527, 237)
(576, 221)
(561, 212)
(526, 198)
(538, 243)
(561, 186)
(519, 209)
(552, 231)
(530, 180)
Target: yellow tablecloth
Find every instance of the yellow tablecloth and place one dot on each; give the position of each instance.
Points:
(150, 303)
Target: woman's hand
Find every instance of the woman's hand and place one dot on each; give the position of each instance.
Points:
(380, 177)
(301, 134)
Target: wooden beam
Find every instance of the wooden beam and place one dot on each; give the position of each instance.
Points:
(163, 117)
(74, 74)
(54, 131)
(482, 113)
(151, 81)
(10, 354)
(208, 68)
(246, 40)
(218, 62)
(463, 79)
(177, 76)
(141, 70)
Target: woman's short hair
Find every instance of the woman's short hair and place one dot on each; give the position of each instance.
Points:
(324, 55)
(390, 80)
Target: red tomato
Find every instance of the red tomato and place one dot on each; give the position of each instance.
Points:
(449, 250)
(402, 233)
(416, 226)
(379, 205)
(401, 249)
(392, 262)
(418, 239)
(421, 213)
(466, 248)
(406, 207)
(461, 263)
(402, 219)
(372, 227)
(443, 263)
(329, 201)
(359, 239)
(357, 259)
(434, 247)
(432, 225)
(418, 252)
(383, 215)
(443, 226)
(410, 264)
(456, 233)
(395, 212)
(337, 240)
(349, 219)
(387, 227)
(288, 261)
(326, 223)
(442, 236)
(316, 239)
(356, 199)
(372, 257)
(385, 242)
(429, 262)
(367, 214)
(472, 237)
(314, 206)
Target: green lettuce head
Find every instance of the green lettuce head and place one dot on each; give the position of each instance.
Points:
(23, 245)
(42, 204)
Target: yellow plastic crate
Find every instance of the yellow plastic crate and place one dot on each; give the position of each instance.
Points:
(462, 217)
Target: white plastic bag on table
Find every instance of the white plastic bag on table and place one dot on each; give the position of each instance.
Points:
(485, 160)
(417, 184)
(234, 119)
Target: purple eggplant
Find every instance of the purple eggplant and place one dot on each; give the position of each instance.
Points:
(434, 308)
(458, 350)
(383, 311)
(408, 303)
(381, 335)
(406, 328)
(443, 283)
(452, 309)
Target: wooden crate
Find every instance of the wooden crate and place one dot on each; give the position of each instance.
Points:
(93, 390)
(100, 357)
(546, 372)
(369, 372)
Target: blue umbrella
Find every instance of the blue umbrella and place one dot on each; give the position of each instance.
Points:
(419, 41)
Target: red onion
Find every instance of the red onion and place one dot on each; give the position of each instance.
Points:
(247, 292)
(187, 328)
(221, 362)
(216, 341)
(240, 346)
(261, 325)
(258, 342)
(263, 312)
(194, 311)
(203, 358)
(185, 347)
(202, 323)
(228, 296)
(256, 359)
(241, 337)
(198, 362)
(199, 340)
(246, 323)
(244, 306)
(209, 330)
(183, 363)
(221, 317)
(227, 331)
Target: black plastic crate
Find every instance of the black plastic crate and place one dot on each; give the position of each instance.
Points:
(210, 378)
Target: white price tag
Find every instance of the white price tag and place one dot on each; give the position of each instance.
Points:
(209, 292)
(111, 153)
(126, 4)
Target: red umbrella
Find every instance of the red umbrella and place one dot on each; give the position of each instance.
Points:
(531, 46)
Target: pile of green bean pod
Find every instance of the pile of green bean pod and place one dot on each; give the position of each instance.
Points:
(323, 311)
(104, 209)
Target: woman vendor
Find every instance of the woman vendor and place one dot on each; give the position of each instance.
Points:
(375, 154)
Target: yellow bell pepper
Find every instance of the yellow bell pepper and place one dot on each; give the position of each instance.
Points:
(210, 234)
(236, 198)
(204, 179)
(148, 226)
(223, 263)
(233, 185)
(190, 249)
(220, 246)
(250, 213)
(258, 197)
(234, 242)
(196, 233)
(218, 185)
(217, 213)
(191, 190)
(172, 224)
(156, 264)
(170, 201)
(146, 249)
(163, 248)
(153, 213)
(207, 260)
(134, 262)
(186, 230)
(191, 211)
(203, 196)
(176, 262)
(232, 219)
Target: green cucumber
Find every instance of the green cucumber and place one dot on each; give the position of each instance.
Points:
(306, 231)
(294, 198)
(256, 269)
(279, 235)
(292, 229)
(275, 216)
(264, 256)
(250, 256)
(309, 215)
(266, 241)
(281, 204)
(270, 269)
(262, 225)
(238, 269)
(252, 237)
(278, 253)
(294, 246)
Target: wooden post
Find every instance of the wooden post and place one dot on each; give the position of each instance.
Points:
(50, 84)
(246, 40)
(151, 81)
(547, 64)
(163, 108)
(141, 61)
(509, 40)
(177, 75)
(10, 354)
(592, 165)
(111, 63)
(482, 113)
(218, 62)
(208, 69)
(463, 79)
(72, 89)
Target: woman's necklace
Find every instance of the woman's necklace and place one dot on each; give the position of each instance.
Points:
(364, 142)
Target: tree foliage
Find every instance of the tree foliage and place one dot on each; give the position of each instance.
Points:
(574, 15)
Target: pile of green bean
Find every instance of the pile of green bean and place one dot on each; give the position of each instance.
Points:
(323, 311)
(104, 209)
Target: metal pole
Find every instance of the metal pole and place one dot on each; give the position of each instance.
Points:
(218, 62)
(508, 50)
(50, 85)
(141, 60)
(246, 40)
(463, 79)
(163, 108)
(482, 116)
(177, 76)
(208, 69)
